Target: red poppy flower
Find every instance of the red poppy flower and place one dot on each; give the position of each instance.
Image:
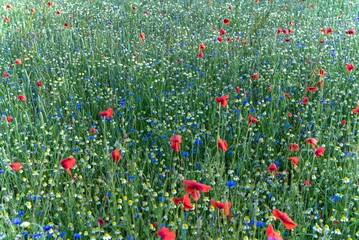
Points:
(226, 21)
(16, 166)
(320, 83)
(289, 114)
(238, 89)
(193, 188)
(343, 122)
(38, 83)
(311, 88)
(311, 141)
(294, 160)
(255, 76)
(202, 46)
(101, 222)
(93, 130)
(272, 168)
(293, 147)
(21, 97)
(230, 7)
(18, 61)
(6, 74)
(9, 118)
(319, 151)
(287, 222)
(6, 19)
(146, 12)
(68, 163)
(326, 31)
(142, 35)
(185, 201)
(226, 206)
(7, 6)
(252, 119)
(279, 30)
(220, 39)
(166, 234)
(222, 100)
(271, 234)
(58, 12)
(32, 10)
(134, 7)
(322, 72)
(200, 54)
(286, 31)
(305, 100)
(222, 32)
(222, 144)
(350, 31)
(322, 41)
(107, 113)
(308, 182)
(49, 4)
(176, 142)
(356, 110)
(349, 67)
(116, 155)
(287, 39)
(291, 22)
(66, 24)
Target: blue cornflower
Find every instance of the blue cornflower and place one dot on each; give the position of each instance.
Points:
(161, 198)
(251, 222)
(184, 153)
(231, 183)
(17, 221)
(260, 224)
(77, 235)
(47, 227)
(37, 235)
(21, 212)
(277, 161)
(49, 235)
(335, 198)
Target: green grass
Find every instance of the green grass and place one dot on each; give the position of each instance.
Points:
(158, 87)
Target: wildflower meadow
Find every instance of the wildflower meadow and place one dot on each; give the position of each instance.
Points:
(179, 119)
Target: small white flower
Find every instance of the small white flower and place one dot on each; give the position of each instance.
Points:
(25, 224)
